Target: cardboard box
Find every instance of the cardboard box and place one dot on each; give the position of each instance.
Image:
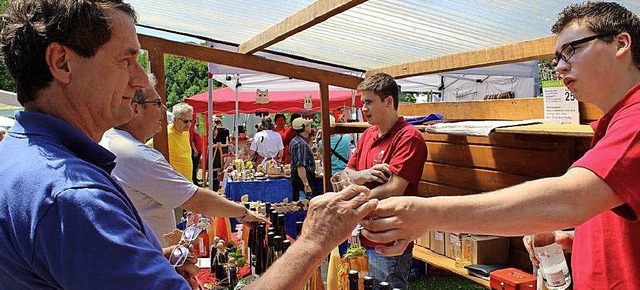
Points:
(423, 240)
(451, 241)
(437, 242)
(489, 250)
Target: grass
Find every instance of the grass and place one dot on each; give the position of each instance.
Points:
(438, 279)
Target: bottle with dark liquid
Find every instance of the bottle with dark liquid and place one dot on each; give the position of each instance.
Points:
(285, 245)
(298, 229)
(261, 250)
(281, 231)
(277, 242)
(368, 282)
(353, 280)
(384, 286)
(271, 254)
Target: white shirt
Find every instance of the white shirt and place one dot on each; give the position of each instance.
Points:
(267, 143)
(153, 186)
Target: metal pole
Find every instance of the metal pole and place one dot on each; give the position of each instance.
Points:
(235, 117)
(210, 130)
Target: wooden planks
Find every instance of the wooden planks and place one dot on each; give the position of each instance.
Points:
(309, 16)
(251, 62)
(540, 48)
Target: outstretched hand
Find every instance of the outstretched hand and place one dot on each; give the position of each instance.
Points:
(335, 214)
(378, 173)
(398, 219)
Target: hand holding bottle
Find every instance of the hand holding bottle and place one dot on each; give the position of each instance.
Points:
(563, 238)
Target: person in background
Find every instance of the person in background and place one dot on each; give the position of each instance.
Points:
(598, 58)
(283, 130)
(220, 140)
(156, 188)
(65, 222)
(266, 144)
(303, 167)
(340, 149)
(389, 160)
(196, 141)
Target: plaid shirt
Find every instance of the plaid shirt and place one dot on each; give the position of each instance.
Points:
(301, 154)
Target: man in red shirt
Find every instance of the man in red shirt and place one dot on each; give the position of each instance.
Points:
(598, 57)
(388, 160)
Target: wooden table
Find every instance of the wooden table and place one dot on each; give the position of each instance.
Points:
(442, 262)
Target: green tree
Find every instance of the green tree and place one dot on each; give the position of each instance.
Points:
(184, 78)
(6, 81)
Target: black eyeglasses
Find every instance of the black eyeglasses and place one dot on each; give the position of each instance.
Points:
(157, 102)
(568, 49)
(185, 120)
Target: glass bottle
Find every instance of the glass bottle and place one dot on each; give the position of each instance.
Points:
(298, 228)
(277, 245)
(281, 231)
(552, 261)
(270, 249)
(353, 280)
(462, 249)
(368, 282)
(285, 245)
(384, 286)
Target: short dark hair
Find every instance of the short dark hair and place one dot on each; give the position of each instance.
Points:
(30, 26)
(278, 116)
(293, 117)
(383, 85)
(603, 18)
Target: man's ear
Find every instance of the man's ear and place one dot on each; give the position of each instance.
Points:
(136, 107)
(56, 57)
(623, 42)
(388, 101)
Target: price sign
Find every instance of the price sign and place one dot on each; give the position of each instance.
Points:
(560, 105)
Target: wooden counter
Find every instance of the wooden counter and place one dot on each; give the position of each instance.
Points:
(550, 129)
(445, 263)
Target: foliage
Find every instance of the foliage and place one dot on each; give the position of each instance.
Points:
(6, 81)
(407, 97)
(184, 77)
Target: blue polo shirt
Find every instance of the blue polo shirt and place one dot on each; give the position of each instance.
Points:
(64, 222)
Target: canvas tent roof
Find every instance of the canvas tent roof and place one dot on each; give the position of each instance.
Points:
(279, 101)
(362, 35)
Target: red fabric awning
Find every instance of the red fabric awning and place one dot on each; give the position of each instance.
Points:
(279, 101)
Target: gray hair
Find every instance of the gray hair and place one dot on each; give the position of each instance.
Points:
(181, 109)
(140, 95)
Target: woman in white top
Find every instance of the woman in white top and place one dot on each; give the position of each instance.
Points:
(267, 144)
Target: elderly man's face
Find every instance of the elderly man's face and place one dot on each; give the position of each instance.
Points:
(102, 86)
(182, 122)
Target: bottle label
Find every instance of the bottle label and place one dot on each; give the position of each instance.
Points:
(556, 278)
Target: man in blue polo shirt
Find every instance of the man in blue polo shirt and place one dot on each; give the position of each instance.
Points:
(64, 222)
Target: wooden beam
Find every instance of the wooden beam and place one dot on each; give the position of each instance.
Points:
(326, 136)
(251, 62)
(516, 52)
(160, 139)
(311, 15)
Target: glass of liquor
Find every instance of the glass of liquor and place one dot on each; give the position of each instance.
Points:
(462, 249)
(552, 262)
(340, 181)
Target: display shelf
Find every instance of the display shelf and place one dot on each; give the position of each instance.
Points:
(445, 263)
(550, 129)
(536, 129)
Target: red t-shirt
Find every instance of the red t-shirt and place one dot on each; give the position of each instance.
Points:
(606, 248)
(403, 148)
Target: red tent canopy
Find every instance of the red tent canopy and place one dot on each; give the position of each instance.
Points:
(290, 101)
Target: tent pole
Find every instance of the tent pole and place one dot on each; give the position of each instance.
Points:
(235, 117)
(210, 131)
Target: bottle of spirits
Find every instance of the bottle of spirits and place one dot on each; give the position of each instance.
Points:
(271, 254)
(368, 282)
(298, 228)
(285, 245)
(384, 286)
(353, 280)
(281, 227)
(277, 242)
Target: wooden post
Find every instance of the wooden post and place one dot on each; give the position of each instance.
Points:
(156, 59)
(326, 135)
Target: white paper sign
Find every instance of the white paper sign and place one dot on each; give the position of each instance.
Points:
(560, 105)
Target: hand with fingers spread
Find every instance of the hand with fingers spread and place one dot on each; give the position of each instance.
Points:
(331, 217)
(378, 173)
(396, 219)
(335, 214)
(563, 238)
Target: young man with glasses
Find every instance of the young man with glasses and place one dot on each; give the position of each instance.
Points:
(598, 58)
(155, 188)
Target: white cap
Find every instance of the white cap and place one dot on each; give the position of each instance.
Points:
(299, 122)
